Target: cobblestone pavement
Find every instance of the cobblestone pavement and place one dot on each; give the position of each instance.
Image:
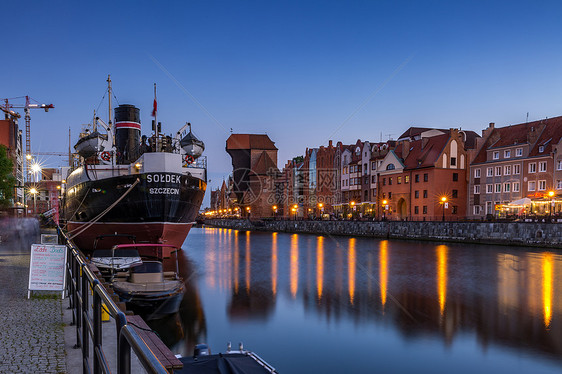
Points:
(31, 331)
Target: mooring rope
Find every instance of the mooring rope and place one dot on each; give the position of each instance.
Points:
(99, 216)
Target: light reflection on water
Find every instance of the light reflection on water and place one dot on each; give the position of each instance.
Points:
(323, 304)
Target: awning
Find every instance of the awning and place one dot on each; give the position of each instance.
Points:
(524, 201)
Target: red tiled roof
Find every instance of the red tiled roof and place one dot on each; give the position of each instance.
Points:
(249, 141)
(550, 129)
(428, 156)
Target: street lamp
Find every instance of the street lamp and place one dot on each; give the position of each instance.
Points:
(34, 192)
(443, 202)
(384, 207)
(274, 211)
(321, 207)
(552, 203)
(295, 207)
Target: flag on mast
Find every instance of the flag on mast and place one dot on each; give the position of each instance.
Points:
(154, 108)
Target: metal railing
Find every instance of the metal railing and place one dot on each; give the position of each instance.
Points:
(80, 280)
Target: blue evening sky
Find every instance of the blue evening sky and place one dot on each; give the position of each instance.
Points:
(301, 71)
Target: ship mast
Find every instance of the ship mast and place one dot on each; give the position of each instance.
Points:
(109, 95)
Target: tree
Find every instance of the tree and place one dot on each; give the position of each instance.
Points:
(7, 180)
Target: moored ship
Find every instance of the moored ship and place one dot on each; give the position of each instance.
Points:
(147, 187)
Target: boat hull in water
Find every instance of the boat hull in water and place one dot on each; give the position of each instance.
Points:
(159, 208)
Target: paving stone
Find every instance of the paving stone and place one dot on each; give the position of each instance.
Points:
(31, 331)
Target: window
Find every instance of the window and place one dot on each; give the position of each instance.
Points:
(515, 186)
(559, 184)
(542, 166)
(541, 149)
(425, 209)
(507, 187)
(455, 194)
(373, 165)
(507, 170)
(454, 209)
(477, 189)
(489, 207)
(490, 172)
(532, 167)
(496, 155)
(416, 210)
(477, 210)
(417, 194)
(425, 194)
(498, 187)
(384, 181)
(516, 169)
(498, 171)
(417, 178)
(399, 180)
(476, 173)
(390, 181)
(453, 161)
(559, 165)
(425, 177)
(507, 153)
(455, 177)
(407, 179)
(390, 195)
(519, 152)
(542, 185)
(532, 186)
(489, 188)
(374, 179)
(390, 167)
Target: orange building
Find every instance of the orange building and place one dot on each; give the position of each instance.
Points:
(424, 177)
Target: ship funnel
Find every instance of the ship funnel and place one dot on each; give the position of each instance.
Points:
(191, 145)
(127, 133)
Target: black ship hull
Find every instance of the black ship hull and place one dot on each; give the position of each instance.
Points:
(159, 208)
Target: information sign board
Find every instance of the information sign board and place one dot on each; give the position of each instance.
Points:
(47, 268)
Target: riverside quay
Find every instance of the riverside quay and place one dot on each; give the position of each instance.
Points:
(428, 174)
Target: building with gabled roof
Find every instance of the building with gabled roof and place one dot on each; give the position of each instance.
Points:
(515, 168)
(426, 167)
(254, 164)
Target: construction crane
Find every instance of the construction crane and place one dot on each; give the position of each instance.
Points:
(29, 104)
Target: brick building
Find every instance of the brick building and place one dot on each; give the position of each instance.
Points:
(254, 163)
(426, 166)
(11, 137)
(517, 171)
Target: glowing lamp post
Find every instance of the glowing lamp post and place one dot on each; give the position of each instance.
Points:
(552, 203)
(384, 208)
(34, 192)
(321, 208)
(274, 211)
(294, 210)
(248, 210)
(443, 202)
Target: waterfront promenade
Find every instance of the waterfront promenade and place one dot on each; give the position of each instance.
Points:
(31, 331)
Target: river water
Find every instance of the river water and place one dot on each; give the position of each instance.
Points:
(321, 304)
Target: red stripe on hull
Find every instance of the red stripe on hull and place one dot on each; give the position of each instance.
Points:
(167, 233)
